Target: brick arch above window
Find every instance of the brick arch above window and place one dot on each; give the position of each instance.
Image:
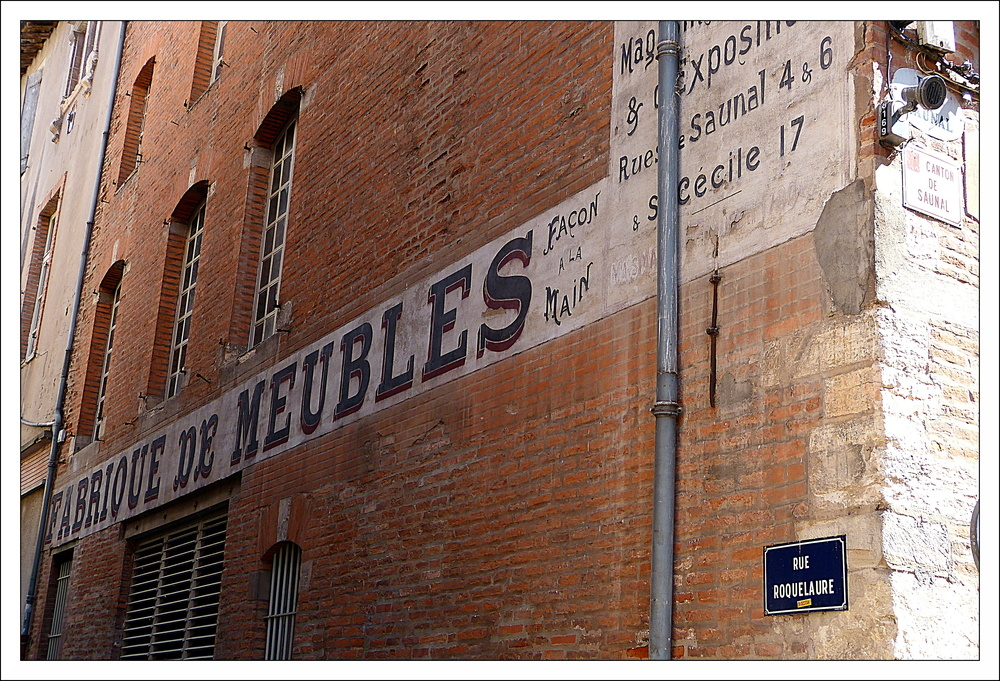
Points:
(179, 273)
(97, 354)
(273, 126)
(208, 58)
(132, 146)
(33, 293)
(282, 111)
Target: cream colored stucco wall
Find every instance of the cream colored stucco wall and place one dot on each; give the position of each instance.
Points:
(70, 161)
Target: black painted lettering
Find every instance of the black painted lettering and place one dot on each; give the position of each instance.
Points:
(443, 321)
(54, 507)
(354, 368)
(107, 491)
(716, 181)
(156, 448)
(248, 410)
(278, 405)
(682, 186)
(551, 303)
(697, 72)
(185, 460)
(80, 512)
(392, 385)
(714, 62)
(699, 185)
(512, 292)
(64, 521)
(118, 491)
(626, 62)
(746, 40)
(622, 176)
(94, 505)
(729, 52)
(135, 474)
(309, 420)
(206, 455)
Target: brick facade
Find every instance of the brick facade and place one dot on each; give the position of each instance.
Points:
(505, 514)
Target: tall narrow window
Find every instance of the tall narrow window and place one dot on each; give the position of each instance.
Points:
(173, 603)
(208, 60)
(220, 41)
(28, 108)
(106, 364)
(138, 96)
(273, 242)
(38, 276)
(284, 600)
(82, 43)
(62, 569)
(185, 303)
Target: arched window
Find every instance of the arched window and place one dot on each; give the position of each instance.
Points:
(185, 302)
(208, 61)
(93, 412)
(61, 568)
(272, 249)
(283, 601)
(102, 392)
(168, 365)
(83, 43)
(132, 149)
(33, 300)
(277, 133)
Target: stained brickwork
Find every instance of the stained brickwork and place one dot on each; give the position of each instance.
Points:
(507, 513)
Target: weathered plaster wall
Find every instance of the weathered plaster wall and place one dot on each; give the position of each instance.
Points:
(928, 329)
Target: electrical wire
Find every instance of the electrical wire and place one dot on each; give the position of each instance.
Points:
(922, 53)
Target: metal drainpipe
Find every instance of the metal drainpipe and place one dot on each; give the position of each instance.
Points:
(57, 422)
(666, 409)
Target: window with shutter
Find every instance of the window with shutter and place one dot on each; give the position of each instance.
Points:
(173, 605)
(56, 627)
(284, 600)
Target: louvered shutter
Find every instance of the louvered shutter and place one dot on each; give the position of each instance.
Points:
(173, 605)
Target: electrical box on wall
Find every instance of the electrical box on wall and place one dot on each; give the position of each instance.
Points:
(938, 35)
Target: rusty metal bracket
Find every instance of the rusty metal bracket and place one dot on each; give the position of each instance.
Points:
(713, 334)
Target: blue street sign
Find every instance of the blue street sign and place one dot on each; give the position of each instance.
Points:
(806, 576)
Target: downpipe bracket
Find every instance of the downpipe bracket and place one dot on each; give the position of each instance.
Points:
(671, 409)
(667, 48)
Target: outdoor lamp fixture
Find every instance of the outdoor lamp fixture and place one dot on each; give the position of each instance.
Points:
(929, 93)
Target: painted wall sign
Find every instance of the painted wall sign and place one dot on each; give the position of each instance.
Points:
(531, 285)
(767, 134)
(806, 576)
(758, 162)
(932, 184)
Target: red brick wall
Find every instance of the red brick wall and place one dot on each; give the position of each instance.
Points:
(741, 467)
(411, 145)
(506, 514)
(96, 599)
